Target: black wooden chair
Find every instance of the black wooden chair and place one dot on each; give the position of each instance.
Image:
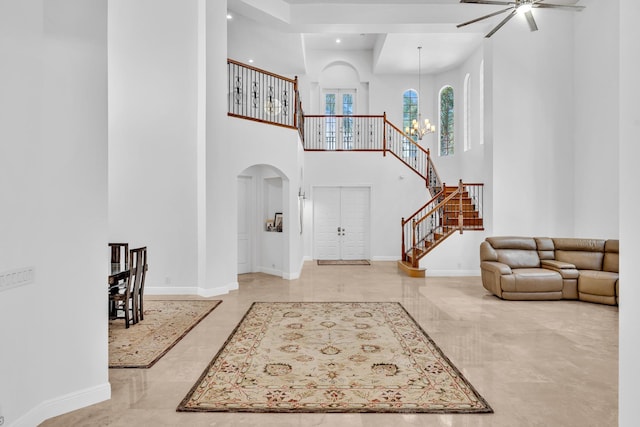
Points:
(140, 267)
(122, 297)
(119, 262)
(119, 253)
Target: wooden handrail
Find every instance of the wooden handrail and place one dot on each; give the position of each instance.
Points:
(253, 119)
(418, 146)
(355, 116)
(438, 206)
(446, 199)
(433, 199)
(260, 70)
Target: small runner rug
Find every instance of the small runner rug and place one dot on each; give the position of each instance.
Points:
(331, 357)
(165, 323)
(343, 262)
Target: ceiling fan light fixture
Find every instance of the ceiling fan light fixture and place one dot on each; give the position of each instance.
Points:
(513, 7)
(524, 8)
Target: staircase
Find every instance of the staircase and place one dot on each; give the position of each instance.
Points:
(451, 208)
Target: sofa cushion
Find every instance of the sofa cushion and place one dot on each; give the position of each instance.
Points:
(487, 253)
(585, 254)
(516, 258)
(597, 283)
(532, 280)
(611, 257)
(546, 249)
(516, 252)
(512, 242)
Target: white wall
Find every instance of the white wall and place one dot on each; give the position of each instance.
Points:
(53, 217)
(532, 99)
(396, 192)
(261, 144)
(596, 135)
(152, 135)
(629, 125)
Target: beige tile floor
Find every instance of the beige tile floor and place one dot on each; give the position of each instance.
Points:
(537, 363)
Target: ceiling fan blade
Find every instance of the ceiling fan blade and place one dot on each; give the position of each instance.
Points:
(484, 17)
(501, 24)
(531, 21)
(558, 6)
(501, 3)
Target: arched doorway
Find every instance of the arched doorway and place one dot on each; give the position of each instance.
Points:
(262, 231)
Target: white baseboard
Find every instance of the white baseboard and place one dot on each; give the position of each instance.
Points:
(191, 290)
(271, 271)
(63, 404)
(291, 276)
(452, 273)
(385, 258)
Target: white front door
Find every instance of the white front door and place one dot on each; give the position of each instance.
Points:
(341, 223)
(245, 220)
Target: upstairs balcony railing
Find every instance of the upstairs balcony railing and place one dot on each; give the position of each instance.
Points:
(262, 96)
(369, 133)
(259, 95)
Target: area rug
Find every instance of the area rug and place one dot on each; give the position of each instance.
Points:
(343, 262)
(165, 323)
(331, 357)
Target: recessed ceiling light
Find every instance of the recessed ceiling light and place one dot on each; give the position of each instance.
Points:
(251, 61)
(338, 41)
(229, 16)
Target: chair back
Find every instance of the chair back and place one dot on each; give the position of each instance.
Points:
(119, 252)
(138, 266)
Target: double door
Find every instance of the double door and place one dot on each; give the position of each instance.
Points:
(341, 223)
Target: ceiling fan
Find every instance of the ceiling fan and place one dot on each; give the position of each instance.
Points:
(522, 6)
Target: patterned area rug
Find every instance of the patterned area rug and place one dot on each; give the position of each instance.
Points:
(343, 262)
(165, 323)
(331, 357)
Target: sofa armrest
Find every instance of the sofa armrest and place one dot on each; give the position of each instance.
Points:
(566, 270)
(552, 264)
(496, 267)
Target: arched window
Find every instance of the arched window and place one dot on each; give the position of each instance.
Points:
(446, 121)
(481, 109)
(409, 114)
(467, 112)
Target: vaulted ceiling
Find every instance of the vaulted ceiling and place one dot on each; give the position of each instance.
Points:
(279, 34)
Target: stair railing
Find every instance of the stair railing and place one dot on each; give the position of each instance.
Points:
(409, 152)
(440, 217)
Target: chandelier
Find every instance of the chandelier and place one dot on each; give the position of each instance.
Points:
(418, 128)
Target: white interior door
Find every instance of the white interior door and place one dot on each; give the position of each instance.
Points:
(326, 220)
(245, 221)
(341, 223)
(354, 219)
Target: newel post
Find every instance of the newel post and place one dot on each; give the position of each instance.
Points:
(384, 134)
(414, 249)
(404, 255)
(428, 169)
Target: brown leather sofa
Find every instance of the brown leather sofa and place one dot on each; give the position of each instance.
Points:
(543, 268)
